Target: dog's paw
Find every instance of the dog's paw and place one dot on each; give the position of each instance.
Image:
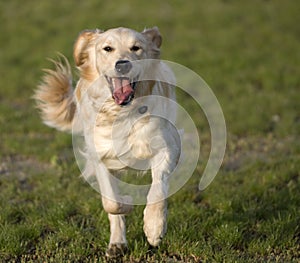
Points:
(155, 224)
(116, 251)
(151, 251)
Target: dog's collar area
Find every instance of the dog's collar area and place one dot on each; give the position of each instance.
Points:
(143, 109)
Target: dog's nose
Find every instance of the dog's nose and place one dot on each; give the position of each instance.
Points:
(123, 66)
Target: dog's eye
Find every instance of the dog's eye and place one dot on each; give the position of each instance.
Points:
(108, 49)
(135, 48)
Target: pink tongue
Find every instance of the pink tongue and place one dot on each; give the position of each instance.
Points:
(122, 90)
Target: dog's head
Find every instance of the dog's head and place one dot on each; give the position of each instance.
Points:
(111, 55)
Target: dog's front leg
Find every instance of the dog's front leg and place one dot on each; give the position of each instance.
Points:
(113, 203)
(155, 222)
(155, 213)
(116, 206)
(117, 243)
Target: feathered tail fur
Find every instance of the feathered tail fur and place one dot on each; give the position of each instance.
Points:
(54, 96)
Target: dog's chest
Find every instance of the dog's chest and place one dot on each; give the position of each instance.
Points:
(126, 137)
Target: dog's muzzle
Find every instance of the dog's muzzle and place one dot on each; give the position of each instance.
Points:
(122, 88)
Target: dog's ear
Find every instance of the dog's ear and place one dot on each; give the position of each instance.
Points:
(82, 44)
(153, 35)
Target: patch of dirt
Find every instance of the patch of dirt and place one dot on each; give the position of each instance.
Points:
(20, 166)
(240, 151)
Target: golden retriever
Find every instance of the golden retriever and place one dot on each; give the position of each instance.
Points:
(119, 73)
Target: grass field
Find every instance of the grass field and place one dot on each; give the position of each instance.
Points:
(249, 54)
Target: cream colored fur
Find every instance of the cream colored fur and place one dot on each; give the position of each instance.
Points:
(91, 110)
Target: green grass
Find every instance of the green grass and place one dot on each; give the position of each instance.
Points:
(247, 51)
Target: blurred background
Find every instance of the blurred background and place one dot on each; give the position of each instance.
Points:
(247, 51)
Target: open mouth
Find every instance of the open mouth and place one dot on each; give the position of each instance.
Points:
(122, 89)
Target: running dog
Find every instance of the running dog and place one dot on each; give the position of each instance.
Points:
(119, 71)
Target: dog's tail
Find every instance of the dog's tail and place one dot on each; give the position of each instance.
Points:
(54, 96)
